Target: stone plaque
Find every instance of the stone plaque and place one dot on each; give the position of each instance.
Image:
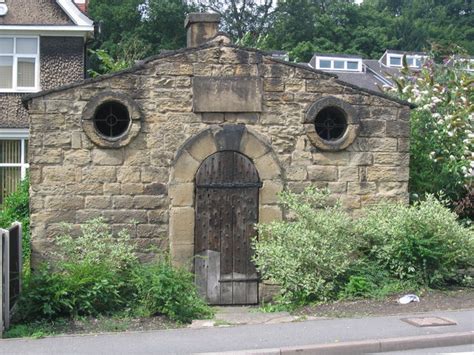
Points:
(227, 94)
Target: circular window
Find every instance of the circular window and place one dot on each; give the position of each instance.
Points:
(330, 123)
(112, 119)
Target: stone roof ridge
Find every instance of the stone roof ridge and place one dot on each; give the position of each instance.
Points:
(143, 64)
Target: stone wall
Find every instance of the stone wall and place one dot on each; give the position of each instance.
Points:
(137, 186)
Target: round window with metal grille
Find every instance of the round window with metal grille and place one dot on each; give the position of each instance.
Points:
(112, 119)
(331, 123)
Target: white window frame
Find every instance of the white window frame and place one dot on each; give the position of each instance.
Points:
(17, 135)
(15, 87)
(345, 60)
(408, 56)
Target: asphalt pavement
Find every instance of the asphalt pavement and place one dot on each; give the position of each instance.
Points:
(297, 337)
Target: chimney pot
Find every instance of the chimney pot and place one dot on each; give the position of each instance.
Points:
(200, 27)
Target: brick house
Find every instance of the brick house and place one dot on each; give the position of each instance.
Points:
(188, 149)
(42, 46)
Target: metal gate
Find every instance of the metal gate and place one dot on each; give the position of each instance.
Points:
(227, 188)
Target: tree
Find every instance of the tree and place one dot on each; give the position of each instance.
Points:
(240, 17)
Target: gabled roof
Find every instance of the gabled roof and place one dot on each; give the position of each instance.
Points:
(61, 17)
(76, 15)
(143, 64)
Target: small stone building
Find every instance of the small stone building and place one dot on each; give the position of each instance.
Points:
(189, 149)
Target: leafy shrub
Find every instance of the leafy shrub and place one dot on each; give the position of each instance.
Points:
(324, 253)
(97, 273)
(424, 242)
(17, 208)
(162, 289)
(307, 255)
(94, 243)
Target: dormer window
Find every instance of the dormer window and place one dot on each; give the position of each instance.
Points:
(19, 64)
(338, 64)
(413, 61)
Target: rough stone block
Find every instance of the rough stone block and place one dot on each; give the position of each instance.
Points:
(403, 145)
(182, 225)
(372, 128)
(331, 158)
(361, 159)
(125, 216)
(185, 168)
(107, 156)
(98, 202)
(251, 146)
(212, 117)
(297, 173)
(150, 231)
(122, 202)
(147, 202)
(269, 192)
(158, 216)
(63, 174)
(398, 128)
(182, 194)
(273, 84)
(128, 174)
(322, 173)
(361, 188)
(132, 189)
(79, 157)
(387, 173)
(64, 202)
(95, 174)
(391, 158)
(182, 255)
(267, 167)
(203, 146)
(348, 173)
(269, 214)
(227, 94)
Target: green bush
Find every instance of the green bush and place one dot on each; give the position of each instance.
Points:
(17, 208)
(306, 256)
(324, 253)
(162, 289)
(97, 273)
(424, 243)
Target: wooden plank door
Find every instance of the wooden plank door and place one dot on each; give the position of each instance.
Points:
(227, 186)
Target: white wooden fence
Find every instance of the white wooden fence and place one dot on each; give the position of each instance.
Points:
(11, 266)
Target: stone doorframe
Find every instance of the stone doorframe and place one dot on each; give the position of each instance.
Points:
(185, 165)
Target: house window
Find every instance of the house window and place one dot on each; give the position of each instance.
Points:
(13, 163)
(395, 61)
(339, 64)
(19, 64)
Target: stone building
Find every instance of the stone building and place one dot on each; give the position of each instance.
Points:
(189, 149)
(42, 46)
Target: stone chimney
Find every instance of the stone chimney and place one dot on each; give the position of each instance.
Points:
(82, 5)
(200, 28)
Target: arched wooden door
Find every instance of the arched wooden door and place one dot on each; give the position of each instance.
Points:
(227, 186)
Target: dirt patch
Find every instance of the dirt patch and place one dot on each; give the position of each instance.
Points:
(429, 301)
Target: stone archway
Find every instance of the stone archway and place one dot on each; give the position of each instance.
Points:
(186, 163)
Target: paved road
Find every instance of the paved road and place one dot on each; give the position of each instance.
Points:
(247, 337)
(460, 349)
